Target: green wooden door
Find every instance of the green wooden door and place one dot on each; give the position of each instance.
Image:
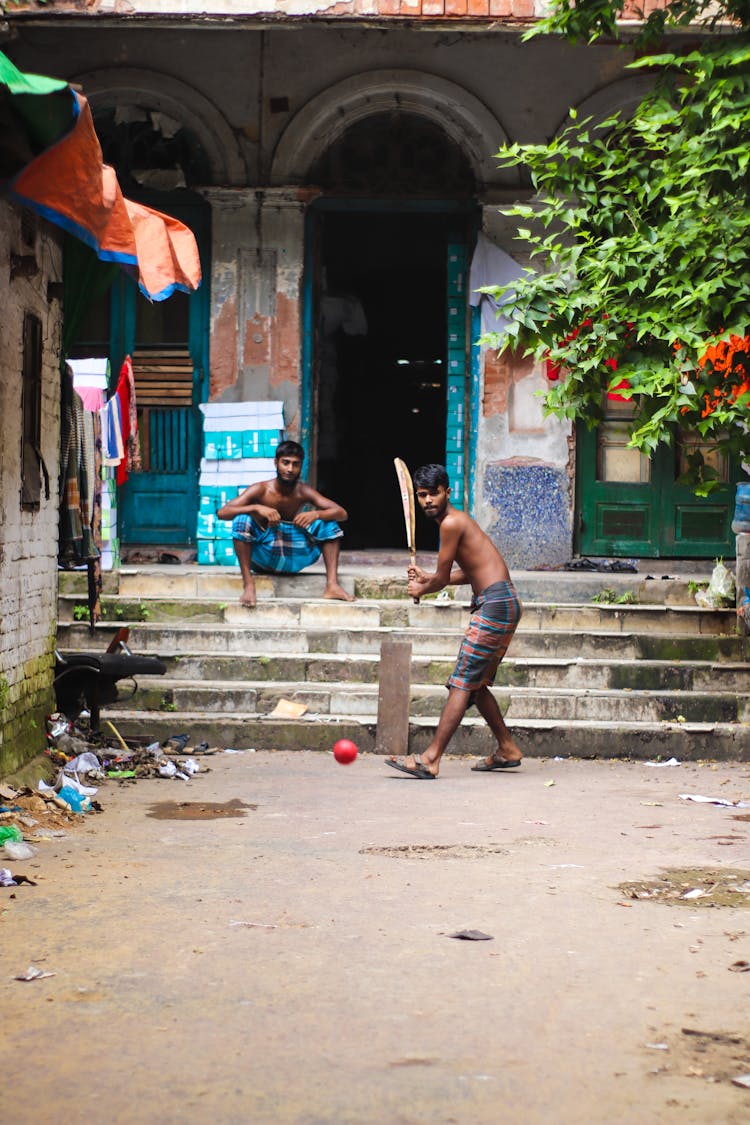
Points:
(166, 341)
(632, 505)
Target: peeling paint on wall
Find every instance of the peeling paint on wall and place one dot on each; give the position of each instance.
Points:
(500, 371)
(256, 335)
(224, 349)
(286, 351)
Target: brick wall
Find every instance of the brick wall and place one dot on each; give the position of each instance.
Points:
(413, 9)
(28, 539)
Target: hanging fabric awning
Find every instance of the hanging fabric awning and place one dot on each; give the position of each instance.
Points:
(63, 178)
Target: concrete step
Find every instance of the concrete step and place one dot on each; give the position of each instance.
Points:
(369, 578)
(540, 672)
(537, 737)
(321, 613)
(164, 639)
(261, 697)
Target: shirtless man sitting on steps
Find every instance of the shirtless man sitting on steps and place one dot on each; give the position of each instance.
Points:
(281, 526)
(495, 613)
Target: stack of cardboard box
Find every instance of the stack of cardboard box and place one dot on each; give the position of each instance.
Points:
(239, 446)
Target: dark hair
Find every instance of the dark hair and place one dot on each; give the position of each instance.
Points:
(431, 476)
(290, 449)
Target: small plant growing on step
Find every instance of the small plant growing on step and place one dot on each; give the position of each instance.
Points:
(80, 613)
(608, 596)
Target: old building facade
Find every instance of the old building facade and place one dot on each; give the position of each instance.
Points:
(337, 164)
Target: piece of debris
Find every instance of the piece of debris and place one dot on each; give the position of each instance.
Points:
(33, 973)
(471, 935)
(742, 1080)
(714, 801)
(288, 709)
(740, 967)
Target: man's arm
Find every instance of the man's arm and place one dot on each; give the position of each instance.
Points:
(248, 503)
(321, 508)
(450, 537)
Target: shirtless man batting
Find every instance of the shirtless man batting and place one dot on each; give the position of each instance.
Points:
(466, 555)
(283, 525)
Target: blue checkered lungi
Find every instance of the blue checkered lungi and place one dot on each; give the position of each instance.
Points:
(284, 549)
(495, 613)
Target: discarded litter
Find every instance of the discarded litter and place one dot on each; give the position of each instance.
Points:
(548, 784)
(696, 893)
(671, 762)
(720, 590)
(18, 849)
(657, 1046)
(742, 1080)
(714, 801)
(471, 935)
(33, 973)
(10, 832)
(288, 709)
(6, 878)
(75, 801)
(740, 967)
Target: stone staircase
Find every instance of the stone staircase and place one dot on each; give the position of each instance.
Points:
(660, 678)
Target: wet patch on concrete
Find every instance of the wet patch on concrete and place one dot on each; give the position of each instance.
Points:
(198, 810)
(436, 851)
(695, 887)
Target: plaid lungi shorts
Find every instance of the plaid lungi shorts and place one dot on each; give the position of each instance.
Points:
(495, 613)
(284, 549)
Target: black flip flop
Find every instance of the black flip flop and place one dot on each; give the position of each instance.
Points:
(497, 764)
(420, 772)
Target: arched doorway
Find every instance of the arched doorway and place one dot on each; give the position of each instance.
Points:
(388, 248)
(158, 162)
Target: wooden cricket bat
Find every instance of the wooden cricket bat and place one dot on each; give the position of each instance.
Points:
(407, 501)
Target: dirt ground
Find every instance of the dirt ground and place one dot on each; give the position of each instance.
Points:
(285, 956)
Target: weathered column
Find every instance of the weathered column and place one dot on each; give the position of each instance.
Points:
(257, 258)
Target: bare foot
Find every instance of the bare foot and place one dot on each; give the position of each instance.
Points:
(247, 597)
(338, 593)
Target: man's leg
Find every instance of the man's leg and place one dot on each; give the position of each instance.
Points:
(330, 550)
(507, 750)
(448, 724)
(244, 553)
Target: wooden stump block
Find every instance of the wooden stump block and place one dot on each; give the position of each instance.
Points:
(394, 693)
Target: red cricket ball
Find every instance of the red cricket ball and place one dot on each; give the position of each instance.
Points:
(345, 751)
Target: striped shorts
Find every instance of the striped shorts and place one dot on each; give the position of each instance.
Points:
(284, 549)
(495, 613)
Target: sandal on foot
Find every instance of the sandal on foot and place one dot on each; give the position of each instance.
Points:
(496, 764)
(418, 770)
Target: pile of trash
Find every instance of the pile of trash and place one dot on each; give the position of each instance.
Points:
(81, 760)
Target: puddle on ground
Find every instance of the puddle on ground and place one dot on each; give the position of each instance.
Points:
(695, 887)
(198, 810)
(437, 851)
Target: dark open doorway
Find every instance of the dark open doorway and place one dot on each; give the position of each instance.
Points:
(380, 368)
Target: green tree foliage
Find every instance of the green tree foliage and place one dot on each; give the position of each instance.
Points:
(641, 231)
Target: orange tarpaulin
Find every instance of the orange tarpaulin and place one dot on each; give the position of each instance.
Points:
(69, 184)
